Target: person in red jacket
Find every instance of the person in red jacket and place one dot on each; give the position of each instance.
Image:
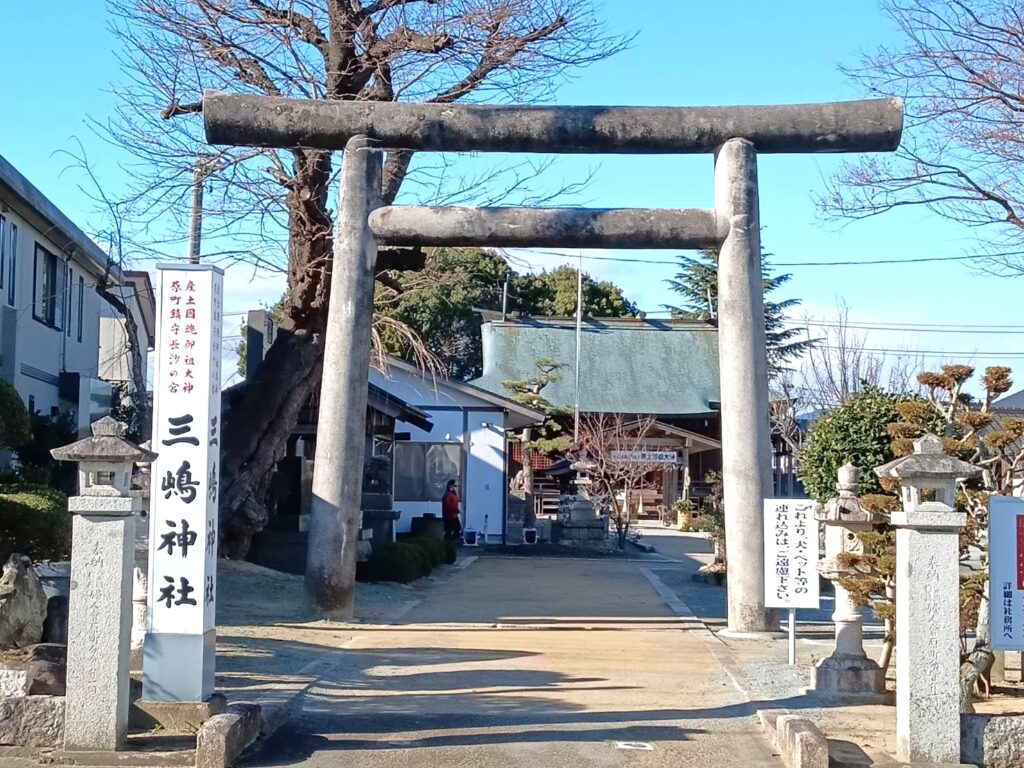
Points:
(450, 512)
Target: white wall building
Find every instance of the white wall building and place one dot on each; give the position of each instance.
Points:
(467, 444)
(49, 307)
(115, 352)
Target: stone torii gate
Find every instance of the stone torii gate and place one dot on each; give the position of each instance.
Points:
(365, 130)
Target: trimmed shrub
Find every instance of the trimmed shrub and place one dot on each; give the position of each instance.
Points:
(34, 521)
(858, 432)
(14, 419)
(399, 562)
(434, 548)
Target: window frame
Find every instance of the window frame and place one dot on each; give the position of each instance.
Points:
(81, 304)
(12, 270)
(3, 248)
(52, 268)
(68, 285)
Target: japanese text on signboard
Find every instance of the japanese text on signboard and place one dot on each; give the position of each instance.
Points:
(183, 515)
(1006, 572)
(790, 554)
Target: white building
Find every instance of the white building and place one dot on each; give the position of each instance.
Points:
(115, 351)
(467, 444)
(50, 308)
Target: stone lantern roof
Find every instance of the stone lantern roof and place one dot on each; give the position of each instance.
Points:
(928, 462)
(107, 445)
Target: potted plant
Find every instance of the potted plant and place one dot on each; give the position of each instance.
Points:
(684, 514)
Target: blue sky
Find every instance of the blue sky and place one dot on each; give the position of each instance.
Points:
(686, 53)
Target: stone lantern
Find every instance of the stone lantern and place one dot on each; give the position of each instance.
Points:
(928, 602)
(847, 673)
(102, 555)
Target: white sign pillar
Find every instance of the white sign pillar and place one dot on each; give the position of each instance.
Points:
(179, 656)
(790, 559)
(928, 602)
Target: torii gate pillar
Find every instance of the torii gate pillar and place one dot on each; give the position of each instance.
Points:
(743, 370)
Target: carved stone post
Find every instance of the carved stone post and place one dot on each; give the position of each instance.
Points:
(99, 622)
(847, 673)
(928, 602)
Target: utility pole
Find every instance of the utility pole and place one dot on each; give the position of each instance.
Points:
(199, 174)
(504, 301)
(579, 337)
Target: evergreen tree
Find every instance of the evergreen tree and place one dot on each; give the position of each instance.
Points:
(697, 283)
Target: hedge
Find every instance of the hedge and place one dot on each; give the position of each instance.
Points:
(434, 548)
(399, 562)
(34, 521)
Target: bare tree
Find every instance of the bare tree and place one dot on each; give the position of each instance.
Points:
(959, 69)
(613, 448)
(131, 401)
(840, 363)
(258, 200)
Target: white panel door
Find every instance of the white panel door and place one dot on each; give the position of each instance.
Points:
(485, 473)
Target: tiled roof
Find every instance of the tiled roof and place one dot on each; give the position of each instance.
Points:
(657, 367)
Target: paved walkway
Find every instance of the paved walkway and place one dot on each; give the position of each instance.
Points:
(526, 662)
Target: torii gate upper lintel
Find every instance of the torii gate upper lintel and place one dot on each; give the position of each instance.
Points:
(734, 134)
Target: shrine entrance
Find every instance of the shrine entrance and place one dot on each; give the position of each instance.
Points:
(731, 227)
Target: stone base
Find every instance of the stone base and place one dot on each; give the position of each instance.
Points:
(176, 716)
(32, 721)
(856, 679)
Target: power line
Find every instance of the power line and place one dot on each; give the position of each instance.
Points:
(796, 324)
(932, 352)
(852, 263)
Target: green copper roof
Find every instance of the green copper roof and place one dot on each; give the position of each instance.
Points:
(656, 367)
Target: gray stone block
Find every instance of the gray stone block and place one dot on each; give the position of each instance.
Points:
(176, 716)
(223, 738)
(800, 743)
(43, 663)
(14, 682)
(22, 604)
(32, 721)
(994, 741)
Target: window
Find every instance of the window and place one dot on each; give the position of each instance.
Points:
(422, 470)
(68, 286)
(48, 288)
(81, 303)
(12, 263)
(3, 248)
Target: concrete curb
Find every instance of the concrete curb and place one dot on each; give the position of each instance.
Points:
(648, 548)
(223, 738)
(797, 739)
(681, 609)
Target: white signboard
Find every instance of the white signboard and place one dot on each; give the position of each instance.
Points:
(1006, 572)
(790, 554)
(186, 437)
(645, 457)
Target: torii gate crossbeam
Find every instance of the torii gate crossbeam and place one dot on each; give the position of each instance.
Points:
(366, 129)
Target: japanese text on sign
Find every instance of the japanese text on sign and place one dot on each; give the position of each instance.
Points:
(790, 554)
(1006, 572)
(183, 518)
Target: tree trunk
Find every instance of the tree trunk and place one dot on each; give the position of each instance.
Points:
(889, 641)
(530, 517)
(979, 661)
(261, 414)
(259, 417)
